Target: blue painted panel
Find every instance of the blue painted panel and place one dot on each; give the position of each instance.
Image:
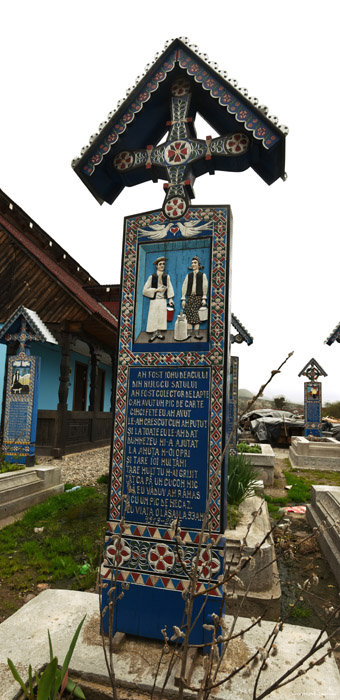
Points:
(2, 372)
(145, 611)
(167, 444)
(143, 458)
(233, 401)
(179, 254)
(313, 408)
(21, 408)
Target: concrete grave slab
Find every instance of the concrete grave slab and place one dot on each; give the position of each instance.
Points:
(263, 462)
(264, 595)
(21, 489)
(23, 637)
(324, 513)
(306, 454)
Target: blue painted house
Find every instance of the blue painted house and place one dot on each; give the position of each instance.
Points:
(75, 397)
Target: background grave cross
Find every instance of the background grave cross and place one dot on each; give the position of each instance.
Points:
(23, 336)
(180, 151)
(312, 370)
(313, 397)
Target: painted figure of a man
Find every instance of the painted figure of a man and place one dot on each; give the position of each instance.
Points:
(159, 290)
(194, 295)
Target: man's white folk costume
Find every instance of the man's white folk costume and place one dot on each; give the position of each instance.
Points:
(159, 290)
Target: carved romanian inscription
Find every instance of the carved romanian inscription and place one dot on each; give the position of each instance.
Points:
(313, 412)
(21, 405)
(313, 406)
(167, 443)
(18, 427)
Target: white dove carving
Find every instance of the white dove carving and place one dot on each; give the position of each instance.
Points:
(187, 230)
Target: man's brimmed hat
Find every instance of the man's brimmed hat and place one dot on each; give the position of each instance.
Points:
(160, 260)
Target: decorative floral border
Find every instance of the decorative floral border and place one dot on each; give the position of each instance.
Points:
(161, 558)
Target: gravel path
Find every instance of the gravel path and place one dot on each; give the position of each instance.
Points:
(81, 468)
(84, 468)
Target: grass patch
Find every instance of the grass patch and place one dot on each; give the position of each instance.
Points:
(72, 525)
(277, 500)
(311, 476)
(275, 505)
(300, 494)
(316, 476)
(9, 607)
(65, 505)
(9, 467)
(274, 511)
(319, 476)
(233, 517)
(244, 447)
(300, 491)
(301, 482)
(300, 612)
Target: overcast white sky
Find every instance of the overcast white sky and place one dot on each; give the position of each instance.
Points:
(64, 67)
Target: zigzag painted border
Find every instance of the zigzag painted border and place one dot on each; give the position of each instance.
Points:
(160, 533)
(154, 581)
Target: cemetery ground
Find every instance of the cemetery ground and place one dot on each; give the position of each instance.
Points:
(56, 544)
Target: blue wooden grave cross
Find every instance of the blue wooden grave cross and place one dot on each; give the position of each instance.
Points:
(22, 385)
(313, 397)
(181, 393)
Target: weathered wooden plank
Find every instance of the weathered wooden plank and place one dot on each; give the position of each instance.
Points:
(117, 640)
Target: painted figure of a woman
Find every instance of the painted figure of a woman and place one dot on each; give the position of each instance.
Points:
(194, 295)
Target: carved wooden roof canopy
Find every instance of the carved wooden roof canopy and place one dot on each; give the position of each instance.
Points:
(312, 370)
(241, 332)
(25, 326)
(180, 83)
(334, 336)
